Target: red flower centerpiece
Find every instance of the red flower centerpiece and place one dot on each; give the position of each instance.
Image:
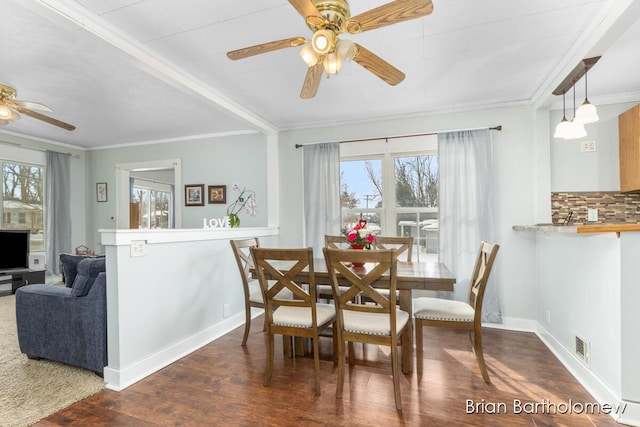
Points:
(360, 237)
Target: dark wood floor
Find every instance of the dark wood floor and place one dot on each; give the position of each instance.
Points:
(221, 384)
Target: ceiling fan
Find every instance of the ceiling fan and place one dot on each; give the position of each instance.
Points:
(11, 108)
(327, 19)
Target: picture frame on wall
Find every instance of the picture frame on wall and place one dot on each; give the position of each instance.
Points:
(194, 195)
(101, 191)
(217, 194)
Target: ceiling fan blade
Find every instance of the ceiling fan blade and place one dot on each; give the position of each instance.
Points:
(265, 47)
(378, 66)
(30, 105)
(312, 80)
(305, 8)
(390, 13)
(47, 119)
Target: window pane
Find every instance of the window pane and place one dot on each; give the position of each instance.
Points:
(23, 201)
(416, 181)
(154, 206)
(361, 192)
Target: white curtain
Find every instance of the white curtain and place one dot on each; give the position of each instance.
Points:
(58, 209)
(321, 170)
(466, 210)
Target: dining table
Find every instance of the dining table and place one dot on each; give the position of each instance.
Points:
(432, 276)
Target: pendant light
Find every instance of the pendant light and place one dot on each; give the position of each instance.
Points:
(587, 112)
(561, 128)
(575, 129)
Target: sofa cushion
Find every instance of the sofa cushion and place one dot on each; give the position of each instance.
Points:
(87, 271)
(70, 266)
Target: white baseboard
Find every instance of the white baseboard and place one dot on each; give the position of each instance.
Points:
(118, 379)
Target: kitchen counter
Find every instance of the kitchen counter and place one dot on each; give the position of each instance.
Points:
(578, 229)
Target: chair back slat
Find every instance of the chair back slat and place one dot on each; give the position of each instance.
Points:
(380, 269)
(401, 244)
(480, 276)
(335, 242)
(268, 264)
(241, 251)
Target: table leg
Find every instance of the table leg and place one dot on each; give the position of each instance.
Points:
(407, 339)
(300, 346)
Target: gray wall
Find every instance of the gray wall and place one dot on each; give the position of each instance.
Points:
(574, 170)
(212, 161)
(515, 151)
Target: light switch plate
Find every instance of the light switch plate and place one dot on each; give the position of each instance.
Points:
(592, 215)
(138, 248)
(588, 146)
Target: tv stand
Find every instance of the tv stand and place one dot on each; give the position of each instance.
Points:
(10, 281)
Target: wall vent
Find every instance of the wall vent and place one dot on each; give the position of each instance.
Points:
(581, 349)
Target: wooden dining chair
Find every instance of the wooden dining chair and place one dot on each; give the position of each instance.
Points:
(336, 242)
(459, 314)
(300, 316)
(252, 298)
(380, 323)
(401, 244)
(245, 264)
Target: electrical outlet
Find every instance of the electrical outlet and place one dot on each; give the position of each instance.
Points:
(225, 310)
(592, 215)
(588, 146)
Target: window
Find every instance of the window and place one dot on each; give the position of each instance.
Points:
(23, 200)
(394, 186)
(154, 200)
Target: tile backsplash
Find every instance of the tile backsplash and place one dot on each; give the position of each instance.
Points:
(613, 207)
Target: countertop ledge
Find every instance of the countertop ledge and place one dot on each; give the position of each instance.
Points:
(579, 229)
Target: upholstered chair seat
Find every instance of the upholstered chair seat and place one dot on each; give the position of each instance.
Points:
(443, 309)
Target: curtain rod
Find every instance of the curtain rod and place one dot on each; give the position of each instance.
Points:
(77, 156)
(346, 141)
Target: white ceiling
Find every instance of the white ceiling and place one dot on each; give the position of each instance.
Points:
(134, 71)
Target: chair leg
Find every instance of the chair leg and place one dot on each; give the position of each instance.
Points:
(247, 324)
(335, 343)
(270, 355)
(352, 353)
(316, 364)
(419, 347)
(477, 348)
(340, 382)
(395, 366)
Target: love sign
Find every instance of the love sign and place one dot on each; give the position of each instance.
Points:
(215, 222)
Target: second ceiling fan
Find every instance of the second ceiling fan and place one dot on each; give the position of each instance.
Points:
(326, 52)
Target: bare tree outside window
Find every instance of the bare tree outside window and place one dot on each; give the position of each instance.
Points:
(417, 181)
(412, 211)
(23, 200)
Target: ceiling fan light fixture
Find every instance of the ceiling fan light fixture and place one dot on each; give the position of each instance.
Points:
(346, 49)
(322, 41)
(309, 56)
(332, 63)
(5, 112)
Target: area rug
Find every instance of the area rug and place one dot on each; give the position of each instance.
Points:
(33, 389)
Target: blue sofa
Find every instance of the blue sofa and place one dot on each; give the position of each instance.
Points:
(67, 324)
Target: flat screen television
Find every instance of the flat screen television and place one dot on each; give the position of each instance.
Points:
(15, 249)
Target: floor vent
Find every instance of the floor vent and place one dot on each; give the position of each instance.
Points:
(582, 349)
